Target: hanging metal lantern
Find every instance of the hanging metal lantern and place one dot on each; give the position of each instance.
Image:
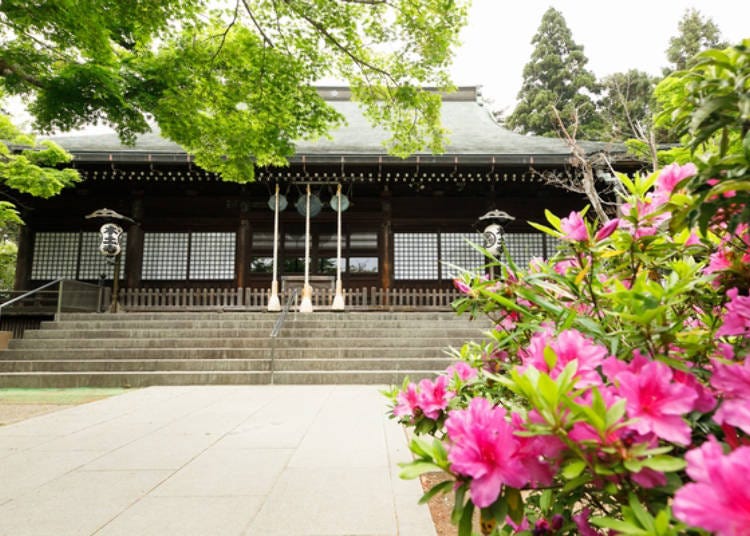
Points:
(283, 203)
(344, 203)
(316, 205)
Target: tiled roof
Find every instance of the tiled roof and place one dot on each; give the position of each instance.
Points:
(471, 132)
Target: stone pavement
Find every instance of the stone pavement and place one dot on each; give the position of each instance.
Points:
(213, 460)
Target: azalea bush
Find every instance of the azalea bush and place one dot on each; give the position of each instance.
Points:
(612, 392)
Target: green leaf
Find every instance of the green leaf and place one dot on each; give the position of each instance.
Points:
(515, 504)
(458, 504)
(442, 487)
(664, 464)
(643, 516)
(620, 526)
(573, 469)
(414, 469)
(464, 525)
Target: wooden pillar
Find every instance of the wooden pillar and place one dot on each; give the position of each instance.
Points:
(24, 258)
(242, 259)
(385, 244)
(134, 247)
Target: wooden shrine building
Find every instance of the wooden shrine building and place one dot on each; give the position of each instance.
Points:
(406, 225)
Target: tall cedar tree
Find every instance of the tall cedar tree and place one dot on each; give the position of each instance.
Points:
(556, 77)
(696, 34)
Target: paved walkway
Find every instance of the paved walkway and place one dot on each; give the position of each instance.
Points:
(225, 460)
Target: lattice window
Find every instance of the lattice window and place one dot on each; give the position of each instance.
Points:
(212, 255)
(93, 264)
(456, 253)
(165, 255)
(415, 255)
(72, 255)
(522, 247)
(55, 255)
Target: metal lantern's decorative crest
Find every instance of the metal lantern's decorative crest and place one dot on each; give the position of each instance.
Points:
(491, 226)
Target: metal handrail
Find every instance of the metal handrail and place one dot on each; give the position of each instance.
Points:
(29, 293)
(282, 317)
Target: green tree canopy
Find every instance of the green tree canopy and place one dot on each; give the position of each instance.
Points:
(695, 35)
(29, 168)
(232, 85)
(708, 104)
(556, 77)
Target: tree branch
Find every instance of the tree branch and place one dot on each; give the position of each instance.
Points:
(265, 37)
(588, 181)
(7, 69)
(335, 42)
(226, 32)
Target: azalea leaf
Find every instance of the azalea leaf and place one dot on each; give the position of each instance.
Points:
(664, 464)
(643, 516)
(442, 487)
(573, 469)
(414, 469)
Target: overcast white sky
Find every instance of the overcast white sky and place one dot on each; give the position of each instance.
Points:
(616, 36)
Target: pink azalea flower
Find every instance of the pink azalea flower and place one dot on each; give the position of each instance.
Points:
(648, 478)
(732, 382)
(672, 174)
(562, 267)
(462, 369)
(569, 345)
(433, 397)
(705, 400)
(613, 366)
(719, 499)
(407, 402)
(538, 454)
(657, 403)
(463, 287)
(693, 239)
(574, 228)
(581, 520)
(483, 446)
(737, 319)
(718, 261)
(607, 229)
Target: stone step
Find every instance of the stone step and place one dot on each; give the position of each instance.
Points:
(222, 365)
(260, 325)
(135, 365)
(353, 377)
(338, 364)
(232, 315)
(221, 353)
(38, 380)
(194, 343)
(287, 332)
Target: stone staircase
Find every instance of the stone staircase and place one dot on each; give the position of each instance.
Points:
(140, 349)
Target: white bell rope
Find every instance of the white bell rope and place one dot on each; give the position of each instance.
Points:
(306, 304)
(338, 299)
(273, 301)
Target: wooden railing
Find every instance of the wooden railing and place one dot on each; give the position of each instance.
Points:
(250, 299)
